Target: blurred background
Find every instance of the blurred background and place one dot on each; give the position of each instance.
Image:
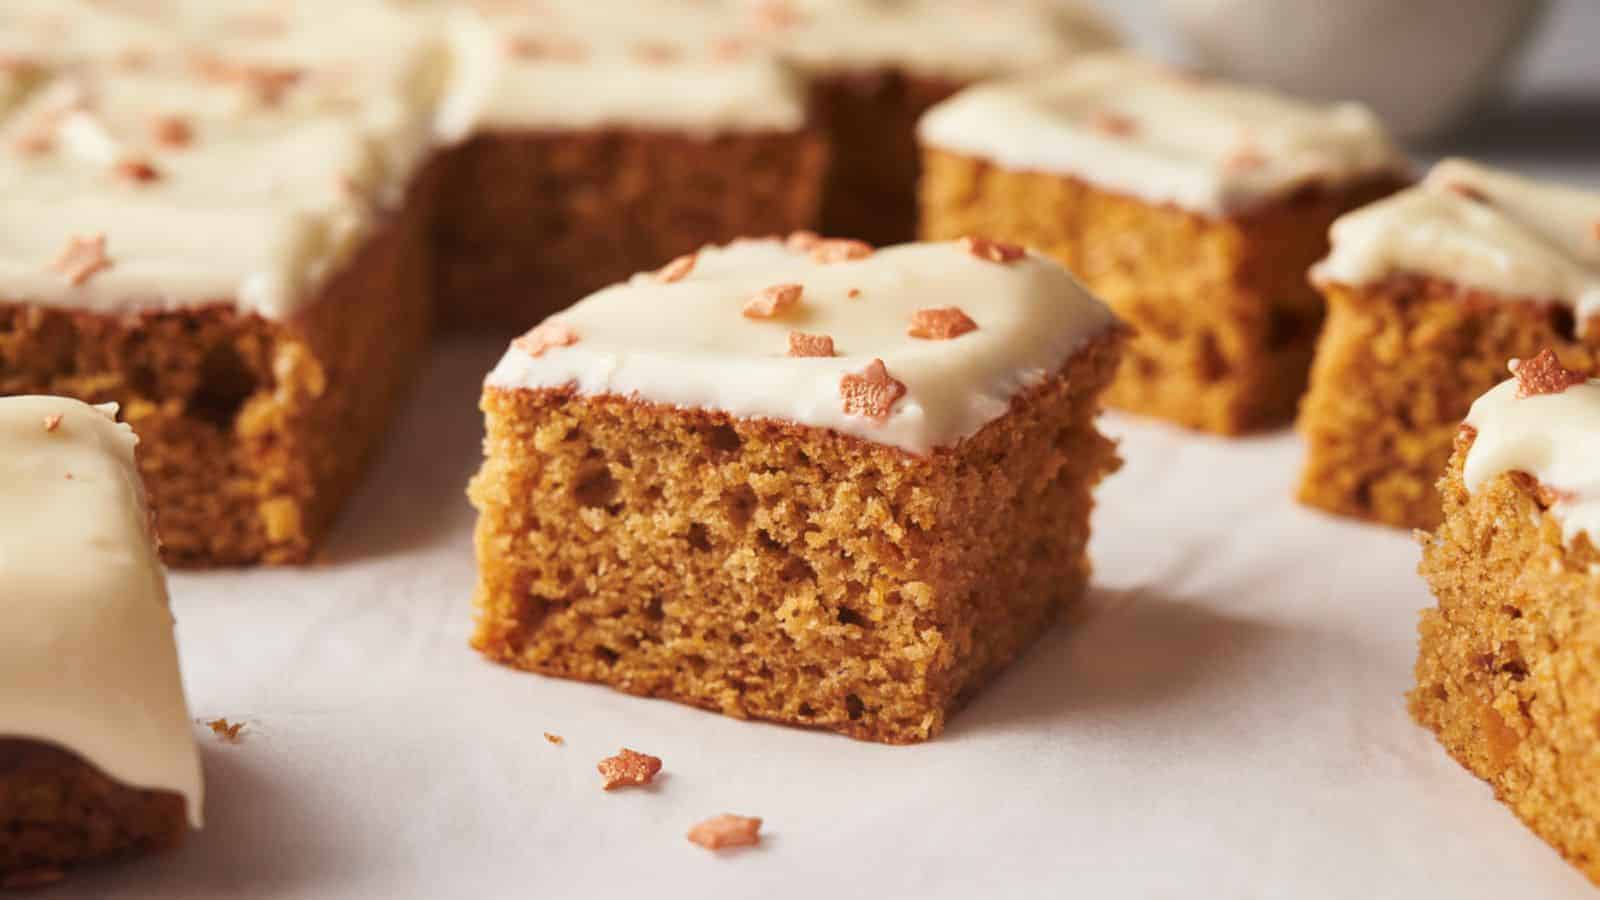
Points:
(1512, 82)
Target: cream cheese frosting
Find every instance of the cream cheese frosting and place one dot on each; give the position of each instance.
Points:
(87, 656)
(295, 129)
(1479, 228)
(1145, 130)
(692, 342)
(1553, 437)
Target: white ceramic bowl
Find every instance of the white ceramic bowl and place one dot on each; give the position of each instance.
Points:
(1423, 65)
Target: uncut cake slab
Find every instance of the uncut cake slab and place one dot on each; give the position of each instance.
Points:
(1218, 695)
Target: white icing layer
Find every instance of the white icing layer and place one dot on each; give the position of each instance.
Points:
(1553, 437)
(87, 657)
(274, 185)
(1480, 228)
(688, 344)
(1141, 129)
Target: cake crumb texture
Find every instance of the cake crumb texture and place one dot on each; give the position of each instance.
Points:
(1225, 322)
(57, 811)
(1506, 669)
(1398, 366)
(766, 570)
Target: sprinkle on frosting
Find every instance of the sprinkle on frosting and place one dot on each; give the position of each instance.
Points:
(267, 83)
(940, 323)
(726, 830)
(872, 392)
(546, 48)
(802, 344)
(677, 270)
(82, 258)
(1550, 434)
(802, 241)
(171, 131)
(542, 337)
(1111, 123)
(52, 422)
(225, 730)
(992, 251)
(773, 301)
(837, 250)
(1480, 229)
(656, 53)
(1543, 374)
(136, 171)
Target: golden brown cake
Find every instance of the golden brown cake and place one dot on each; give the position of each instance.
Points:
(805, 481)
(232, 245)
(1507, 669)
(1429, 292)
(1193, 207)
(98, 761)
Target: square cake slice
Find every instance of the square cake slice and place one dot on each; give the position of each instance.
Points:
(225, 233)
(1192, 206)
(602, 138)
(800, 480)
(97, 758)
(1508, 674)
(1429, 292)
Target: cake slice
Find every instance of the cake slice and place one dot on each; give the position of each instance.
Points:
(800, 480)
(600, 138)
(223, 229)
(1507, 673)
(96, 754)
(1192, 206)
(1429, 292)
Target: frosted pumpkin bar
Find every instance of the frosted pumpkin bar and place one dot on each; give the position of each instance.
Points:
(1193, 206)
(96, 754)
(1429, 293)
(804, 480)
(1506, 670)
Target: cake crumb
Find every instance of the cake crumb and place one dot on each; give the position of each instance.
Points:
(1114, 124)
(726, 830)
(772, 301)
(1543, 374)
(992, 251)
(171, 131)
(940, 323)
(82, 258)
(836, 250)
(628, 768)
(227, 731)
(556, 739)
(137, 171)
(872, 392)
(853, 293)
(802, 241)
(542, 337)
(678, 269)
(802, 344)
(52, 422)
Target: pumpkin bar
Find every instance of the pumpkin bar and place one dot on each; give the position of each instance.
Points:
(222, 228)
(99, 762)
(1507, 671)
(1193, 206)
(800, 480)
(1429, 293)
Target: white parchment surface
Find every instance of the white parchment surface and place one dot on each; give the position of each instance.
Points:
(1226, 720)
